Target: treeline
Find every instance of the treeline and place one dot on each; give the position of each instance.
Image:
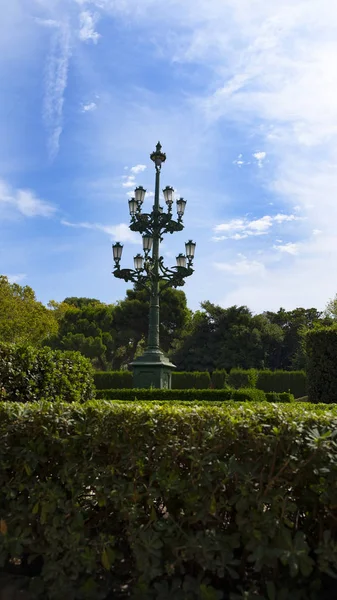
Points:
(111, 335)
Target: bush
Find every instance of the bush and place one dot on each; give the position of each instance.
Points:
(185, 380)
(294, 382)
(169, 501)
(244, 395)
(279, 397)
(322, 364)
(105, 380)
(219, 379)
(28, 374)
(242, 378)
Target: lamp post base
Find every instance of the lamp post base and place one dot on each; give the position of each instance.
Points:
(152, 370)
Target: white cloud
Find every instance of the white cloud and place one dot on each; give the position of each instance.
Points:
(88, 22)
(238, 229)
(129, 181)
(138, 169)
(288, 248)
(25, 202)
(239, 161)
(120, 232)
(260, 156)
(242, 267)
(90, 107)
(17, 278)
(47, 22)
(55, 86)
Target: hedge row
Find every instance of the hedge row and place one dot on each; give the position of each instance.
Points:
(28, 374)
(161, 502)
(243, 395)
(268, 381)
(322, 364)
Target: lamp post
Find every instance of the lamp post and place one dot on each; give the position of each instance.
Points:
(153, 368)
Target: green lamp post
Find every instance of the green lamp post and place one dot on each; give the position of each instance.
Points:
(153, 368)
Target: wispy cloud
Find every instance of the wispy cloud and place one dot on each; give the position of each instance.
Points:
(87, 31)
(90, 107)
(238, 229)
(241, 267)
(17, 278)
(25, 202)
(260, 156)
(130, 180)
(289, 248)
(138, 169)
(120, 232)
(55, 86)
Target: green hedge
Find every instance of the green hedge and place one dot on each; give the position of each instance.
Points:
(249, 395)
(294, 382)
(279, 397)
(185, 380)
(28, 374)
(106, 380)
(322, 364)
(219, 379)
(169, 502)
(239, 378)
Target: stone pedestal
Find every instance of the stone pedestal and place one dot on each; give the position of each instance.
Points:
(152, 370)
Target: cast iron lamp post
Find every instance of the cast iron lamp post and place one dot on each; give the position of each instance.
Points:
(153, 368)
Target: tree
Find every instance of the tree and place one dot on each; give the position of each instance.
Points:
(86, 325)
(225, 338)
(22, 318)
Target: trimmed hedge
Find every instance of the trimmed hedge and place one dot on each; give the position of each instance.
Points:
(159, 502)
(106, 380)
(28, 374)
(239, 378)
(294, 382)
(321, 345)
(185, 380)
(279, 397)
(219, 379)
(244, 395)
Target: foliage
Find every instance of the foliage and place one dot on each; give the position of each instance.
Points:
(188, 380)
(283, 381)
(239, 378)
(170, 502)
(219, 379)
(86, 325)
(22, 318)
(28, 374)
(279, 397)
(243, 395)
(321, 366)
(105, 380)
(226, 338)
(290, 353)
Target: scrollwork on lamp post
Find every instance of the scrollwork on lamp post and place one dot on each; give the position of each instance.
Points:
(153, 368)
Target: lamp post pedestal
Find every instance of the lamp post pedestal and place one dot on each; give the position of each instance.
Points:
(152, 370)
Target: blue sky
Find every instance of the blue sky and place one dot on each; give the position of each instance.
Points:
(242, 96)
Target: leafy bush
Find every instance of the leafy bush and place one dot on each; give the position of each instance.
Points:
(322, 364)
(105, 380)
(219, 379)
(244, 395)
(242, 378)
(294, 382)
(166, 501)
(184, 380)
(28, 374)
(279, 397)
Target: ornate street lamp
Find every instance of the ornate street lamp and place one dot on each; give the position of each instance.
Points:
(153, 368)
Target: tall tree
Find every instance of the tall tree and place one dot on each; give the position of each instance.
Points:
(22, 317)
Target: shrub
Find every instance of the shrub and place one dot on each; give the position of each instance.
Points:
(279, 397)
(244, 395)
(242, 378)
(219, 379)
(294, 382)
(322, 364)
(28, 374)
(185, 380)
(169, 501)
(105, 380)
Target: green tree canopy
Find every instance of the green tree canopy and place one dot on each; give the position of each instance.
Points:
(22, 318)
